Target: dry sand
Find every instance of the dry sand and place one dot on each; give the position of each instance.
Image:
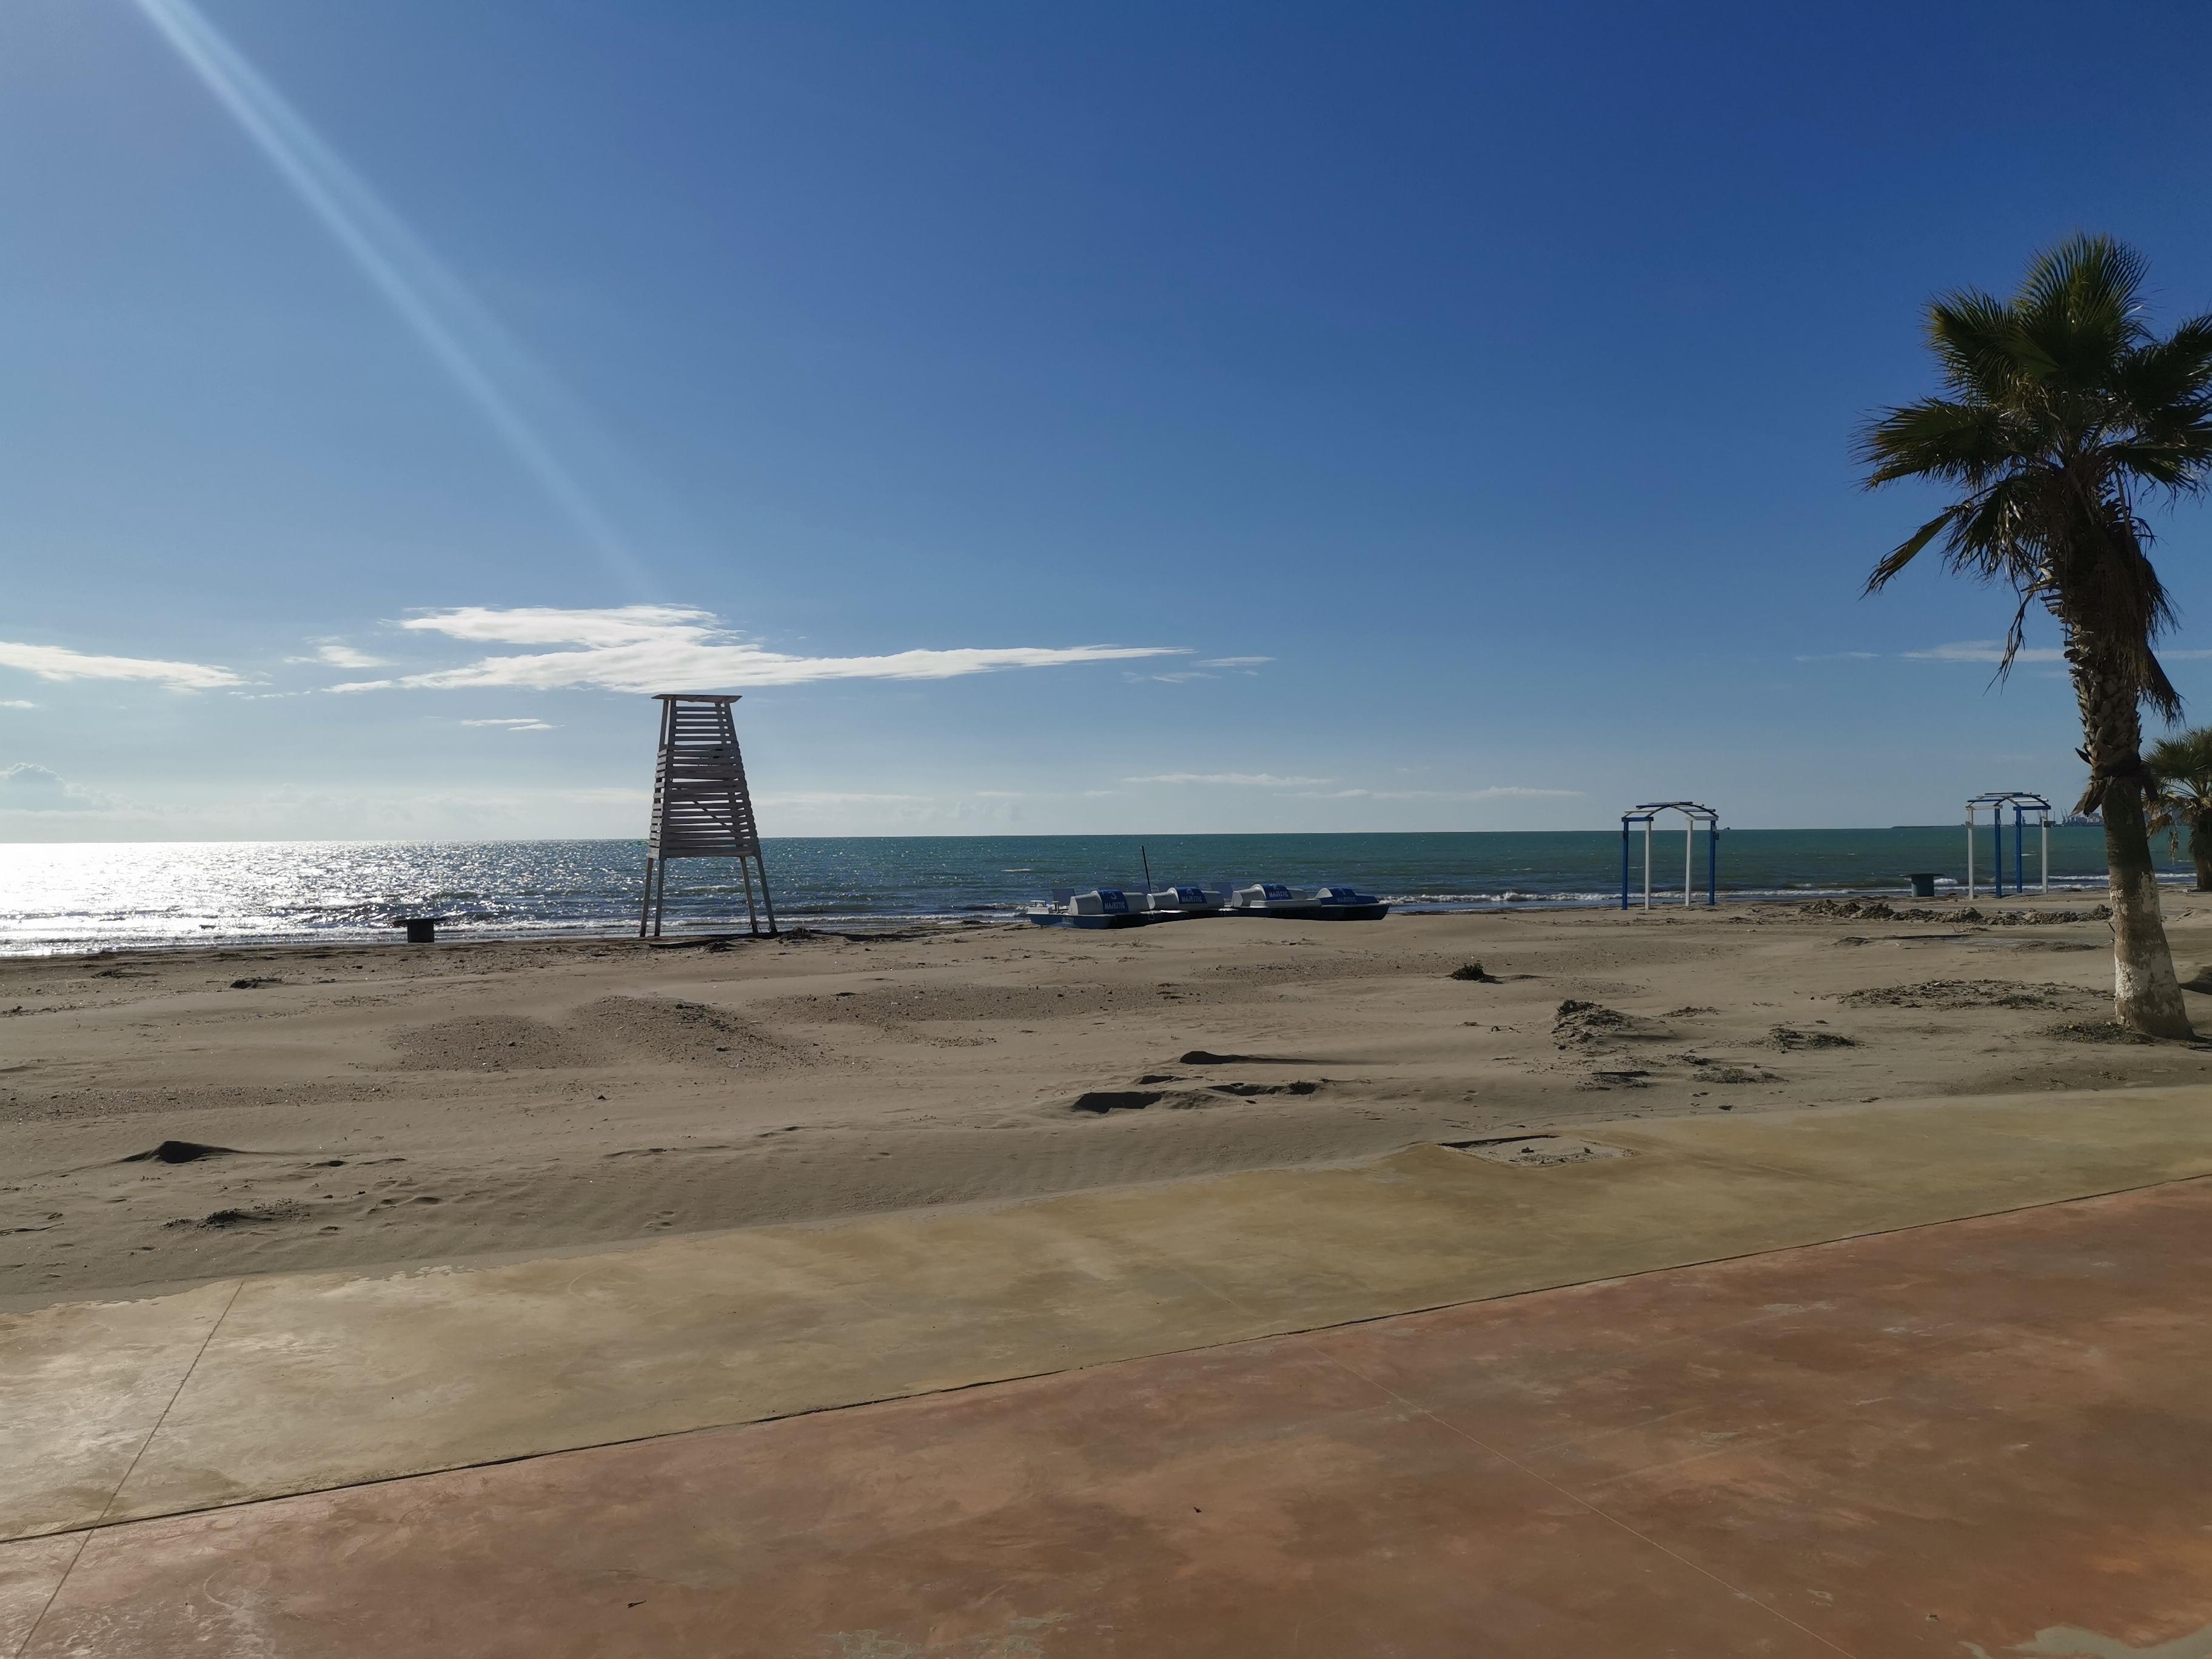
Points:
(176, 1117)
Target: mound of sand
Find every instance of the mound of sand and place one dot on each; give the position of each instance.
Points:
(255, 1215)
(180, 1152)
(1790, 1039)
(1097, 1102)
(491, 1042)
(1538, 1151)
(1881, 910)
(2096, 1031)
(1581, 1025)
(610, 1031)
(681, 1033)
(1971, 994)
(1705, 1069)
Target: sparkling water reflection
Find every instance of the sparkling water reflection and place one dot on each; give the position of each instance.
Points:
(84, 895)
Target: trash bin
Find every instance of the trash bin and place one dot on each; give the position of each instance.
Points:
(1924, 883)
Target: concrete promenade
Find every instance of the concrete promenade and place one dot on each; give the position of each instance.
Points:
(1937, 1387)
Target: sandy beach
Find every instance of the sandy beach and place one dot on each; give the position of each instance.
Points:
(175, 1117)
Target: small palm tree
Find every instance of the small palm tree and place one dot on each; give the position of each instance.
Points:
(2181, 770)
(2063, 412)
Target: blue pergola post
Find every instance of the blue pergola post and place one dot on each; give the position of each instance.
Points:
(2022, 802)
(1713, 863)
(1624, 860)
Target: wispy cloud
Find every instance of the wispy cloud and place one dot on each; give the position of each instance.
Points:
(1496, 791)
(514, 724)
(1234, 662)
(337, 654)
(1981, 650)
(55, 662)
(1984, 651)
(1254, 780)
(829, 798)
(659, 647)
(16, 702)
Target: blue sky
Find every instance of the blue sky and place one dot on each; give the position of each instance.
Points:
(1454, 400)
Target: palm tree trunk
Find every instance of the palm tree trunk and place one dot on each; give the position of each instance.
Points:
(2200, 849)
(2145, 996)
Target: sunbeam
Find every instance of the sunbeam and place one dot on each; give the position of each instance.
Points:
(491, 369)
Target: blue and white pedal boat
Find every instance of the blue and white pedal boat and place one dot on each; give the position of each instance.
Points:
(1101, 907)
(1179, 903)
(1110, 907)
(1273, 898)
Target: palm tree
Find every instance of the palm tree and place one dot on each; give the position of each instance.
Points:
(2181, 770)
(2062, 414)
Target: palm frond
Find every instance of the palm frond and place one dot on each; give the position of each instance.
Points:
(1976, 339)
(2004, 532)
(2170, 374)
(2181, 766)
(2079, 309)
(1904, 552)
(1936, 438)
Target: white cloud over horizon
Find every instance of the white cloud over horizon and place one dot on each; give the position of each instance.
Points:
(26, 787)
(525, 724)
(662, 647)
(335, 653)
(57, 662)
(1253, 780)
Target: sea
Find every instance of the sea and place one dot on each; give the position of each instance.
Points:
(85, 896)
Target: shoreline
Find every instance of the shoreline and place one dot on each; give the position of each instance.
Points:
(370, 936)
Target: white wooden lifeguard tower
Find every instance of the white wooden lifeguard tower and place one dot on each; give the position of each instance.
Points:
(700, 808)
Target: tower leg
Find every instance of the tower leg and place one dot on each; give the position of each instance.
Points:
(765, 899)
(645, 909)
(659, 897)
(752, 916)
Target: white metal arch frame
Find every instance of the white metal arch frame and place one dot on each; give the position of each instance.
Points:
(2022, 802)
(1693, 815)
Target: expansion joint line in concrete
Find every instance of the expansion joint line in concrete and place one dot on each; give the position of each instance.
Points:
(83, 1539)
(175, 1394)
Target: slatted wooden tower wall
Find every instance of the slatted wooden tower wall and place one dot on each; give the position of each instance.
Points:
(700, 808)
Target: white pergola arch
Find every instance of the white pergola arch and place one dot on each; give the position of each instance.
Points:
(1694, 814)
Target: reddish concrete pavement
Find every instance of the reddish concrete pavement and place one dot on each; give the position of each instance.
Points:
(1984, 1437)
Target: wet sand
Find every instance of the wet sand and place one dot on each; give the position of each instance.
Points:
(171, 1118)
